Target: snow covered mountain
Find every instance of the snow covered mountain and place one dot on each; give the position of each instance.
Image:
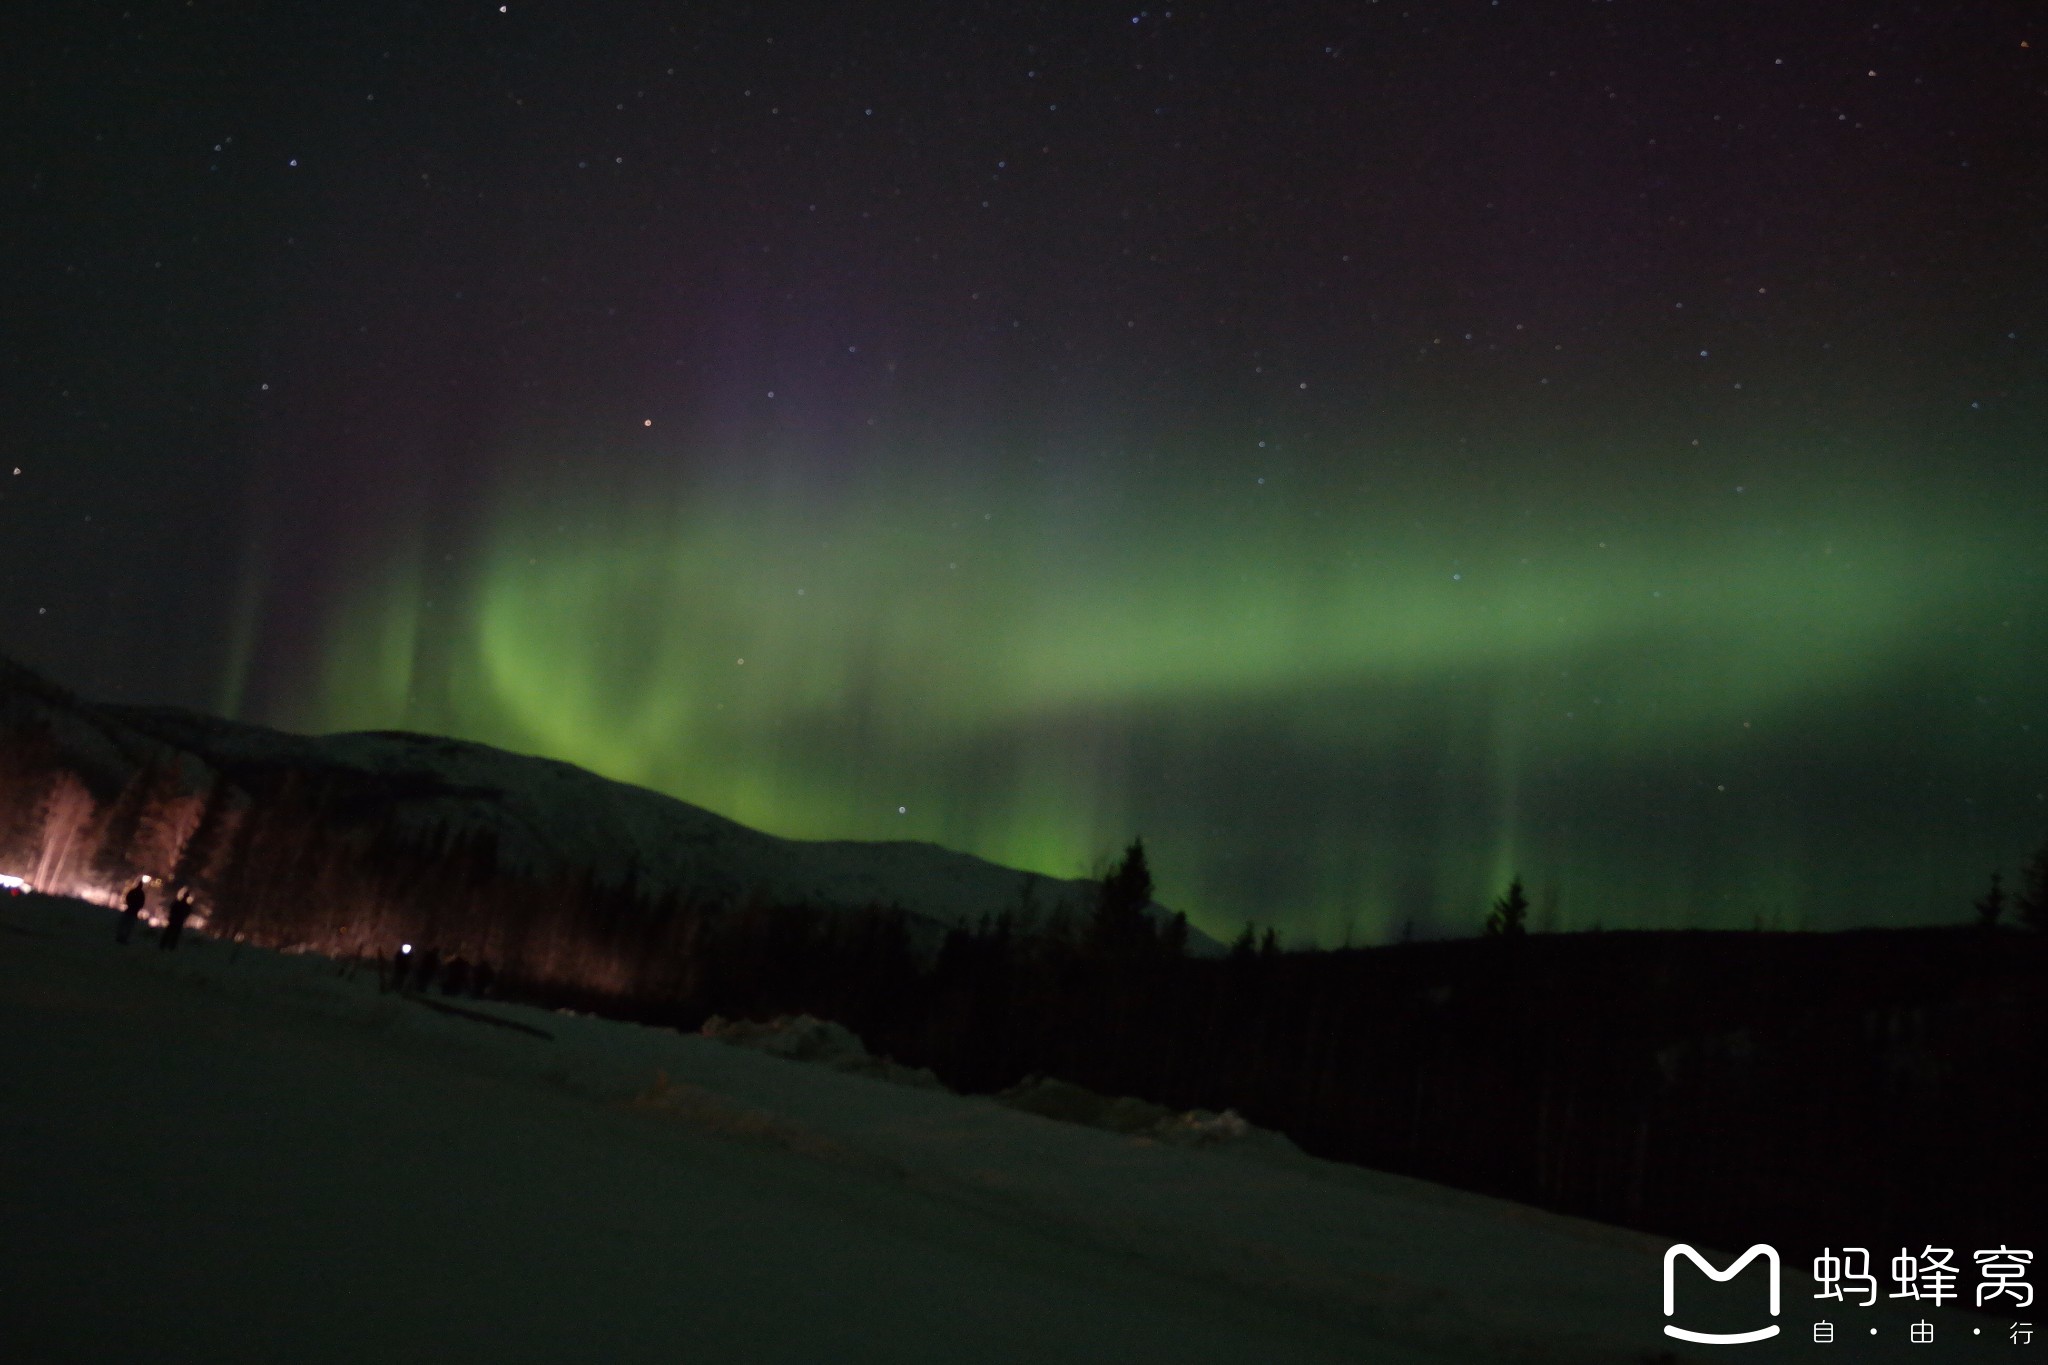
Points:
(546, 818)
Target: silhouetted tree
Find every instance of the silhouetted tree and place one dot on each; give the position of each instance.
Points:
(195, 859)
(1174, 937)
(1245, 944)
(2032, 900)
(1510, 913)
(1120, 927)
(147, 823)
(1991, 904)
(29, 762)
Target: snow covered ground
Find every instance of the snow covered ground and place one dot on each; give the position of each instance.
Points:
(228, 1155)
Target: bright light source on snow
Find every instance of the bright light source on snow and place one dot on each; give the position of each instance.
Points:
(8, 883)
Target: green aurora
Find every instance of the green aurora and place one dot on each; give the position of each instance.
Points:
(1368, 451)
(1338, 705)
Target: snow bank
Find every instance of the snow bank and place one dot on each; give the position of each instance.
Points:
(801, 1038)
(1227, 1132)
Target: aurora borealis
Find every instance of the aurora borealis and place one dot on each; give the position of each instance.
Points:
(1368, 454)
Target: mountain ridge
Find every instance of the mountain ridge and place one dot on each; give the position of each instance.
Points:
(544, 817)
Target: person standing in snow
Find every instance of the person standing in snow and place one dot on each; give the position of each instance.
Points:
(181, 910)
(133, 902)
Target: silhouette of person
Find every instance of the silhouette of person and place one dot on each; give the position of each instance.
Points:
(180, 911)
(401, 965)
(133, 902)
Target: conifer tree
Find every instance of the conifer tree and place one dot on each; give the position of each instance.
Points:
(2033, 897)
(1120, 925)
(1174, 937)
(28, 775)
(1510, 913)
(141, 804)
(1245, 944)
(196, 858)
(1991, 904)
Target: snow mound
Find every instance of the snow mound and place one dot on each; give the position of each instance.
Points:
(1200, 1128)
(1069, 1103)
(1066, 1102)
(710, 1112)
(802, 1038)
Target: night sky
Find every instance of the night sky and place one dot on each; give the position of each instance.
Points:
(1368, 450)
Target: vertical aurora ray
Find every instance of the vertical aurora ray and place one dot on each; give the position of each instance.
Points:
(367, 676)
(1340, 706)
(244, 626)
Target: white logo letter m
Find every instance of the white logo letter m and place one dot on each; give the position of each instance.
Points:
(1770, 1255)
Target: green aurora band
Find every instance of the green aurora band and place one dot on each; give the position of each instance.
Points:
(1335, 705)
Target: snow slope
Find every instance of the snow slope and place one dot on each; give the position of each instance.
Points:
(551, 816)
(227, 1155)
(548, 817)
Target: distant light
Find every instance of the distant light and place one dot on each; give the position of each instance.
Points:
(12, 883)
(405, 947)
